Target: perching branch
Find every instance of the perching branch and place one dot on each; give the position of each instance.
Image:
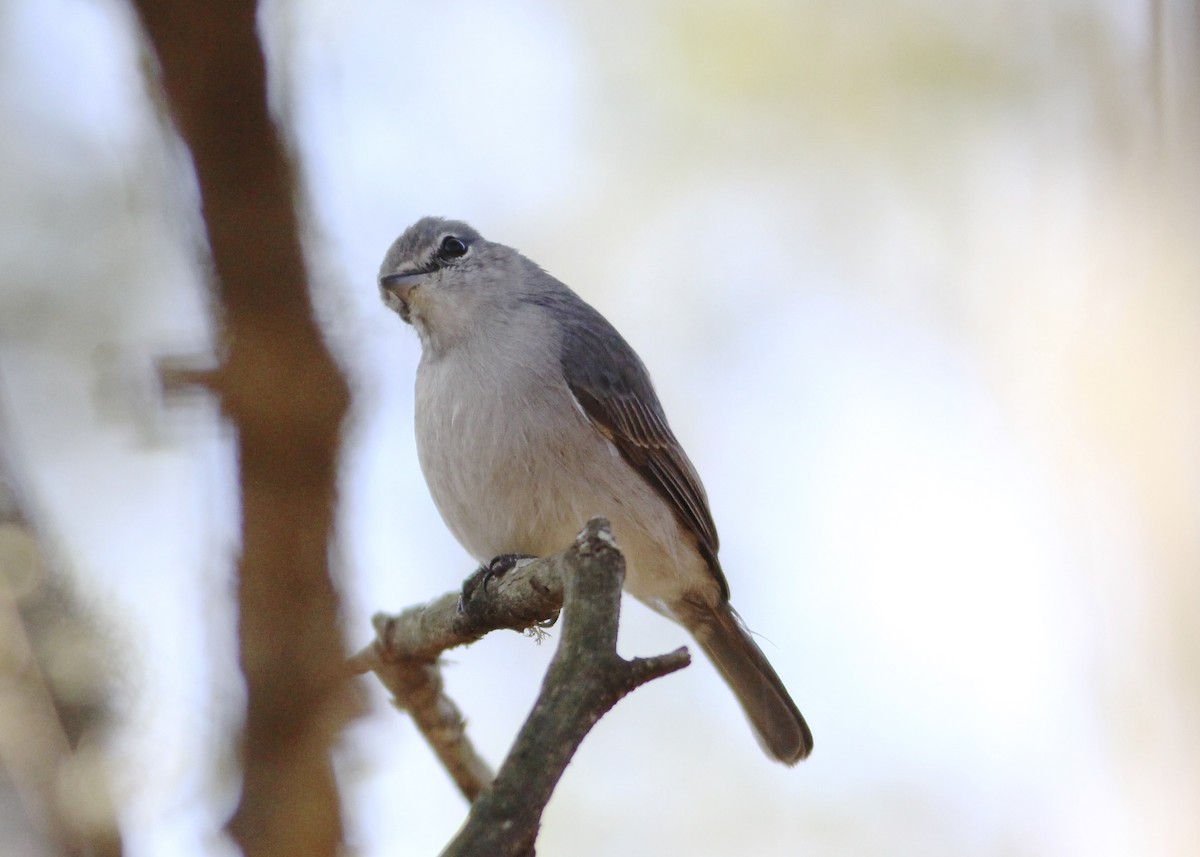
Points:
(407, 646)
(585, 679)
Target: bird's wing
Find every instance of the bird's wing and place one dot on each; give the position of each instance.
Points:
(613, 389)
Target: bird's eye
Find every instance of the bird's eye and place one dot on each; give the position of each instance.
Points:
(452, 248)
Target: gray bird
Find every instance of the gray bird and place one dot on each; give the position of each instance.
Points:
(534, 415)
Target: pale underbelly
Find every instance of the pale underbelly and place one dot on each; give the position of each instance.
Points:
(528, 487)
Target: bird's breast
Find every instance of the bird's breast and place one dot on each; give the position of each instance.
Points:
(495, 438)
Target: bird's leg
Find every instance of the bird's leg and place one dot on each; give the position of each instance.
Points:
(482, 576)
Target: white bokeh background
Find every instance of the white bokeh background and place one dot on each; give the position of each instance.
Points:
(905, 276)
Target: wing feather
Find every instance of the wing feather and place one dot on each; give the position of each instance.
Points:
(613, 389)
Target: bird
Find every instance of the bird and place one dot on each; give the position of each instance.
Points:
(534, 415)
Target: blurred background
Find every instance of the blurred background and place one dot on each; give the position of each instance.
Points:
(917, 283)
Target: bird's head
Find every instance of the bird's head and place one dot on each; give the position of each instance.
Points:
(444, 278)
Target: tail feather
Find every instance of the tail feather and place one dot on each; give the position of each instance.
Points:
(777, 722)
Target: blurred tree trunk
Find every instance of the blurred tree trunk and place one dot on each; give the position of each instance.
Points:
(285, 398)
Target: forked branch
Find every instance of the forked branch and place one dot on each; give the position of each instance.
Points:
(585, 679)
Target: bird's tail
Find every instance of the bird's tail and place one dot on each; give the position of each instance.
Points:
(777, 722)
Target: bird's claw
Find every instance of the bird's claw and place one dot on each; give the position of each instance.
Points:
(482, 576)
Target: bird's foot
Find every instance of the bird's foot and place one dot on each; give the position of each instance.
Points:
(497, 567)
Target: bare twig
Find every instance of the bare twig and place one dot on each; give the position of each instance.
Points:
(585, 679)
(405, 651)
(528, 596)
(416, 687)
